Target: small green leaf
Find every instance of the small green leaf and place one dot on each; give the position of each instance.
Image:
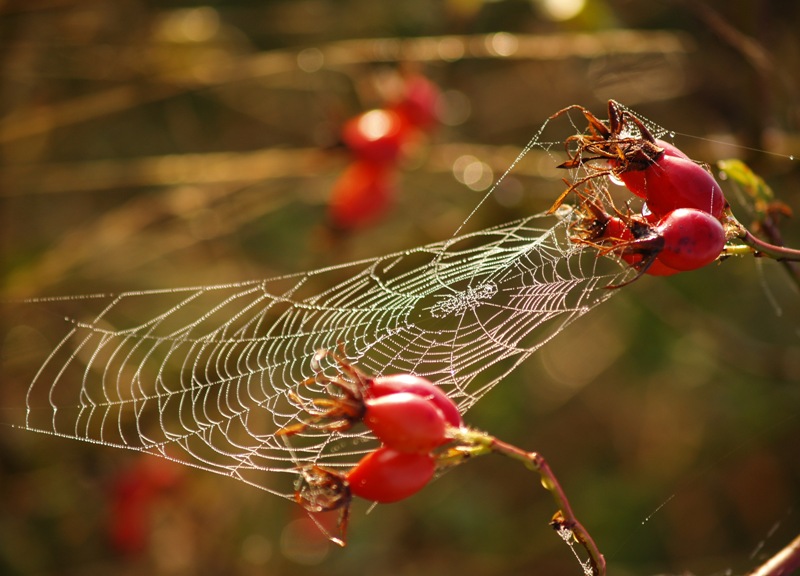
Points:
(758, 192)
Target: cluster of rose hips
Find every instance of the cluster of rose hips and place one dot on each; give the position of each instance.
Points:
(681, 225)
(411, 417)
(420, 430)
(408, 414)
(378, 141)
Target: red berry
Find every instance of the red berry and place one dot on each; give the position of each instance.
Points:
(361, 194)
(671, 149)
(617, 231)
(376, 136)
(406, 422)
(692, 239)
(674, 182)
(658, 268)
(635, 179)
(419, 103)
(384, 385)
(387, 475)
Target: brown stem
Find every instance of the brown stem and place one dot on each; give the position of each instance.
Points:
(475, 443)
(565, 517)
(788, 257)
(779, 253)
(783, 563)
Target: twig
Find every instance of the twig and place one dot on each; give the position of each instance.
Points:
(753, 244)
(475, 443)
(779, 253)
(784, 563)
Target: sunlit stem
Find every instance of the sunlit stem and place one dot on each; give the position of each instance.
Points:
(779, 253)
(475, 443)
(785, 562)
(751, 244)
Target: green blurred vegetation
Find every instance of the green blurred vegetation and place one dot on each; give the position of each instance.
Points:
(164, 144)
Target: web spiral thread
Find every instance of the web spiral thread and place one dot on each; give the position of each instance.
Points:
(215, 371)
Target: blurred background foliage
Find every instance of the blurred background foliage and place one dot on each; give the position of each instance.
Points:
(163, 144)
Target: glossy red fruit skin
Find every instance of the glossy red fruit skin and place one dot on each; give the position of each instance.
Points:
(406, 422)
(674, 182)
(362, 194)
(387, 475)
(634, 179)
(658, 268)
(394, 383)
(617, 230)
(376, 136)
(671, 149)
(692, 239)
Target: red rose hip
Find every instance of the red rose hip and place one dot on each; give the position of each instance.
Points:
(616, 231)
(362, 194)
(671, 149)
(387, 475)
(393, 383)
(692, 239)
(375, 136)
(674, 182)
(406, 422)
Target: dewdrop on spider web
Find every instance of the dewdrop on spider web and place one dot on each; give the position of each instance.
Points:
(128, 371)
(568, 536)
(209, 376)
(212, 373)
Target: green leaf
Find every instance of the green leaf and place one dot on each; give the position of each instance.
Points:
(758, 192)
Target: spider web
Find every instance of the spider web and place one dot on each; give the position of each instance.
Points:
(208, 375)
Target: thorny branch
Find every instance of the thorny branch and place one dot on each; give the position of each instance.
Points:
(475, 443)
